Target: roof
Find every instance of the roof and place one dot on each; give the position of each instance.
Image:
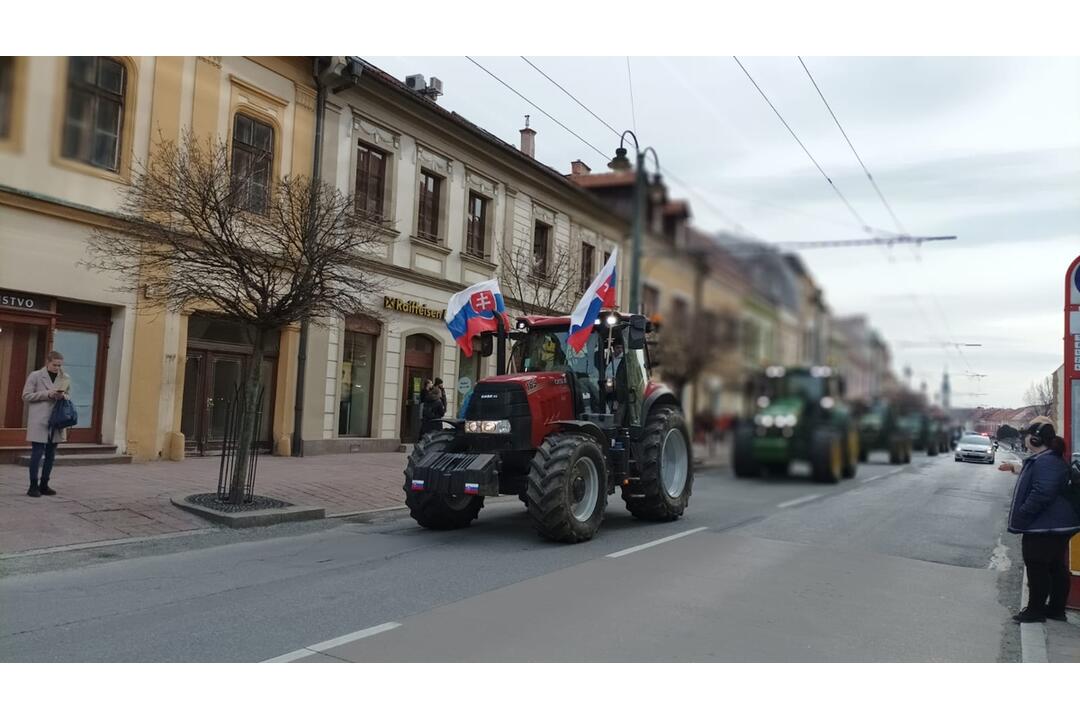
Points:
(373, 72)
(677, 207)
(557, 320)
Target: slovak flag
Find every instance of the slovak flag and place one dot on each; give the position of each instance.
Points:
(474, 310)
(601, 294)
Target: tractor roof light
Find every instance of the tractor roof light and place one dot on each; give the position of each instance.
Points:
(774, 371)
(763, 402)
(828, 403)
(821, 372)
(521, 324)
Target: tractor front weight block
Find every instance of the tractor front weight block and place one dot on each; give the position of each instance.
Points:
(448, 473)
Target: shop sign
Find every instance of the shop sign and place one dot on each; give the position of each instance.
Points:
(13, 301)
(411, 307)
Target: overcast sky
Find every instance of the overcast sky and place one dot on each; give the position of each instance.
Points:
(987, 149)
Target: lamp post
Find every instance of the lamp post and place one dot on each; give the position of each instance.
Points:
(621, 163)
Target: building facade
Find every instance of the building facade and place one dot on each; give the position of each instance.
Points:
(72, 132)
(462, 205)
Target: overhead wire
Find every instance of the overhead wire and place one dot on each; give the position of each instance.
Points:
(630, 82)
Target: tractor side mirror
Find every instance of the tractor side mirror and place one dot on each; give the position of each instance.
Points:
(654, 361)
(636, 339)
(487, 345)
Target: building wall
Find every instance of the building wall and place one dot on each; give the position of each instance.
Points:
(53, 203)
(410, 269)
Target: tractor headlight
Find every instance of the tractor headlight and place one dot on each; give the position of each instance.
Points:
(764, 420)
(498, 427)
(788, 420)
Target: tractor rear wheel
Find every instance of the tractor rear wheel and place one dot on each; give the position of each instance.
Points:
(826, 456)
(851, 453)
(567, 490)
(931, 448)
(743, 461)
(431, 510)
(667, 469)
(896, 450)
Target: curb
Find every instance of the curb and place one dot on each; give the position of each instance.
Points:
(252, 518)
(1032, 635)
(104, 543)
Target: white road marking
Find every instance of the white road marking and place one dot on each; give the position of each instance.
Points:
(643, 546)
(335, 642)
(872, 478)
(1000, 560)
(799, 500)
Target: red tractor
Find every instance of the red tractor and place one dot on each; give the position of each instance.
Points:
(561, 430)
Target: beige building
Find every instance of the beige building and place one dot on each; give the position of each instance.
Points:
(457, 197)
(71, 130)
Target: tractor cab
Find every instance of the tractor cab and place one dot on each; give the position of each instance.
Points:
(560, 428)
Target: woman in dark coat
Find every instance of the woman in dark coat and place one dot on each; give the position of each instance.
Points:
(434, 405)
(1045, 518)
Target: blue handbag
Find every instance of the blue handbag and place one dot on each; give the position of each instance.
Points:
(64, 415)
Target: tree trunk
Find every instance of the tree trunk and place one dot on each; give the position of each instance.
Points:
(247, 428)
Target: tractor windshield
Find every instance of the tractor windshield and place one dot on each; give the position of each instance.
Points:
(546, 350)
(799, 384)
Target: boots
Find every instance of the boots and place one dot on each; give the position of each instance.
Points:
(45, 489)
(33, 491)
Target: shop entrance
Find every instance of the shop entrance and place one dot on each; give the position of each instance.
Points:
(419, 366)
(215, 367)
(79, 332)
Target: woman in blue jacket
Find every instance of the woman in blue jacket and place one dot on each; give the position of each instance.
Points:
(1042, 514)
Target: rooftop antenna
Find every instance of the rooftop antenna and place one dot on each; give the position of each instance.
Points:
(526, 121)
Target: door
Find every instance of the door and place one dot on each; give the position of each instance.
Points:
(210, 382)
(413, 402)
(22, 350)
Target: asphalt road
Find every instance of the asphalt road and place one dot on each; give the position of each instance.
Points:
(900, 564)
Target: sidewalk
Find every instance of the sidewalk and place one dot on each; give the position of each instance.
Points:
(1063, 639)
(111, 502)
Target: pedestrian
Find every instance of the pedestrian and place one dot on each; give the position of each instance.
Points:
(432, 407)
(1044, 517)
(42, 389)
(438, 386)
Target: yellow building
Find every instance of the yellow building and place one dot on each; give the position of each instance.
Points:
(72, 129)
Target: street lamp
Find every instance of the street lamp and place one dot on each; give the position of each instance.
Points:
(621, 163)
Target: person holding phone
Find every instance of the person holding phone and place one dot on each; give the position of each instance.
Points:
(42, 389)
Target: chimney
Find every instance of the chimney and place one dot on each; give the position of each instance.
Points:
(528, 139)
(579, 168)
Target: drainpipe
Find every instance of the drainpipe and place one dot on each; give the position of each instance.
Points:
(338, 73)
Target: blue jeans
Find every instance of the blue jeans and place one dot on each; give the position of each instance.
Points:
(39, 451)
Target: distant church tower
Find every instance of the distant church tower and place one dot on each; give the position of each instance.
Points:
(945, 390)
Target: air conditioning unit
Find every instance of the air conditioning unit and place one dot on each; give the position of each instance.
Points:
(435, 87)
(416, 82)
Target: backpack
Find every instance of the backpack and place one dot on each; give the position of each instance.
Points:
(64, 415)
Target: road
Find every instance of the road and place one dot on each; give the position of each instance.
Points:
(900, 564)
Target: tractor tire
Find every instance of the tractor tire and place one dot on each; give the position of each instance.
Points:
(430, 510)
(742, 460)
(851, 454)
(667, 468)
(826, 457)
(896, 450)
(567, 490)
(907, 454)
(931, 450)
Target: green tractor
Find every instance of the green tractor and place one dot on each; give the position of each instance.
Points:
(880, 428)
(925, 431)
(799, 415)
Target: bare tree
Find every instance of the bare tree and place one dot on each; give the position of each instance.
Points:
(543, 286)
(686, 347)
(1040, 396)
(202, 233)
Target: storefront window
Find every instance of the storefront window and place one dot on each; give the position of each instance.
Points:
(357, 381)
(80, 351)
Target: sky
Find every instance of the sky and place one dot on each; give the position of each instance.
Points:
(987, 149)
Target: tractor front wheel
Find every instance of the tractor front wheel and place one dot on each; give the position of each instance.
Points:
(826, 457)
(851, 454)
(667, 472)
(567, 490)
(430, 510)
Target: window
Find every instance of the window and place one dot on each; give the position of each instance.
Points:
(357, 383)
(588, 252)
(252, 162)
(680, 314)
(7, 94)
(541, 247)
(650, 300)
(477, 229)
(428, 220)
(370, 181)
(94, 113)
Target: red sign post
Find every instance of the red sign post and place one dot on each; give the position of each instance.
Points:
(1070, 391)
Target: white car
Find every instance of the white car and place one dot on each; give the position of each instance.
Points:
(976, 448)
